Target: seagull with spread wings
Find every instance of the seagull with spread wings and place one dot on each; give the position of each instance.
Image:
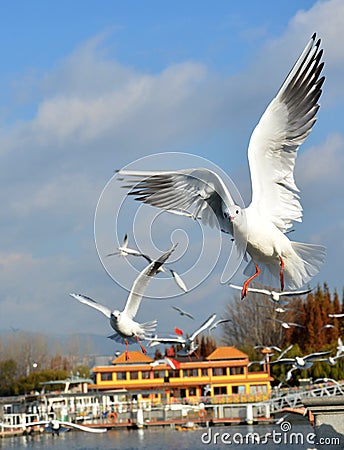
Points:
(189, 345)
(55, 426)
(286, 325)
(273, 295)
(123, 323)
(302, 362)
(262, 227)
(182, 312)
(125, 250)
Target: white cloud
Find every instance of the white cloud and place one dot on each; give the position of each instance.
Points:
(323, 164)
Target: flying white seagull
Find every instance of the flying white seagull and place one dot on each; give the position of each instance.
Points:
(189, 345)
(55, 426)
(302, 362)
(183, 313)
(124, 250)
(123, 323)
(273, 295)
(286, 324)
(275, 205)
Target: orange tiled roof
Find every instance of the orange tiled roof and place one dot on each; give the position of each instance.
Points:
(134, 358)
(226, 353)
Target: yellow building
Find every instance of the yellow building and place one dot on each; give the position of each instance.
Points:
(224, 373)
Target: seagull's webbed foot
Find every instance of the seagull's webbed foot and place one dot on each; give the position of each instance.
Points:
(248, 281)
(144, 351)
(281, 273)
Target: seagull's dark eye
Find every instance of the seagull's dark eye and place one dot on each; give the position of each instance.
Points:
(237, 211)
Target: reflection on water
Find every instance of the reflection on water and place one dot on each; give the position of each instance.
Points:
(160, 438)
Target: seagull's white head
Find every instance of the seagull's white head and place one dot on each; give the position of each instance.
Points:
(300, 361)
(235, 213)
(116, 314)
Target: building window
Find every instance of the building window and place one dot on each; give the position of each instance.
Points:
(238, 390)
(237, 370)
(134, 375)
(204, 372)
(219, 371)
(190, 373)
(258, 389)
(145, 374)
(121, 375)
(106, 376)
(220, 390)
(192, 392)
(159, 373)
(173, 373)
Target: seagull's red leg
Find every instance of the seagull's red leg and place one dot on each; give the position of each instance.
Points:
(281, 273)
(247, 282)
(144, 351)
(196, 354)
(126, 350)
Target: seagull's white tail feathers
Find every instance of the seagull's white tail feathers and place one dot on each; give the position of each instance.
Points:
(312, 257)
(298, 270)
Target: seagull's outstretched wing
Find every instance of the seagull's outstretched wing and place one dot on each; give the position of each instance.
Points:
(156, 340)
(198, 193)
(285, 351)
(203, 327)
(217, 323)
(83, 428)
(315, 355)
(295, 324)
(294, 293)
(284, 126)
(251, 289)
(93, 304)
(283, 361)
(141, 283)
(24, 425)
(178, 280)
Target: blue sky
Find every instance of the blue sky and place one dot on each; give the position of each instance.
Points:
(89, 87)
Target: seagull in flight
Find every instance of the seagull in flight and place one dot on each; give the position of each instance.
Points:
(302, 362)
(56, 426)
(286, 325)
(183, 313)
(124, 250)
(260, 229)
(189, 345)
(326, 327)
(123, 323)
(273, 295)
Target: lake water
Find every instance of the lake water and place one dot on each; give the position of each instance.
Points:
(169, 439)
